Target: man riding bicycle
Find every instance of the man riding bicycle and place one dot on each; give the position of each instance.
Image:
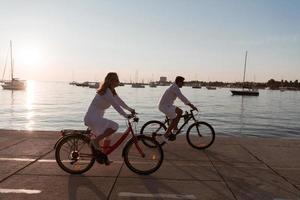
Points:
(172, 112)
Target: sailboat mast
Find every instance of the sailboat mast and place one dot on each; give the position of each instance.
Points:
(245, 69)
(11, 62)
(136, 76)
(5, 66)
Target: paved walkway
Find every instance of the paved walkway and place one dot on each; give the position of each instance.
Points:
(233, 168)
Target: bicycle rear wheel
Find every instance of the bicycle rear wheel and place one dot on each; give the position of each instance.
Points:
(154, 129)
(73, 154)
(140, 158)
(200, 135)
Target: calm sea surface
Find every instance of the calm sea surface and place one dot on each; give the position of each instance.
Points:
(58, 105)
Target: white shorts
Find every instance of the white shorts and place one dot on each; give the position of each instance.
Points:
(99, 125)
(169, 111)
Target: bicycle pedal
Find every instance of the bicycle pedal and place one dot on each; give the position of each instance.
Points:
(100, 160)
(172, 137)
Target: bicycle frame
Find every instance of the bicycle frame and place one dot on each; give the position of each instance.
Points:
(110, 149)
(189, 117)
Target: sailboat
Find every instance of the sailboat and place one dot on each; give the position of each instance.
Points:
(250, 92)
(73, 82)
(282, 88)
(152, 84)
(14, 83)
(211, 87)
(197, 85)
(136, 84)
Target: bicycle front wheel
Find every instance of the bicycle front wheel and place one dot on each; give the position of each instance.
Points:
(73, 154)
(142, 158)
(200, 135)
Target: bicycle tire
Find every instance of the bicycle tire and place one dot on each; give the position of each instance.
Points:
(135, 162)
(206, 129)
(145, 130)
(63, 164)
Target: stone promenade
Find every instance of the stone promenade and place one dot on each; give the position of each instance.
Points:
(233, 168)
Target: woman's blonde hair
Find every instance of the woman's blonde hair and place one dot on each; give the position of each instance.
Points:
(110, 77)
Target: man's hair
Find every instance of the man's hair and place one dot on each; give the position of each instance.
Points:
(179, 79)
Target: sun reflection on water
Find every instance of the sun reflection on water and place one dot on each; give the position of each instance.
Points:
(30, 98)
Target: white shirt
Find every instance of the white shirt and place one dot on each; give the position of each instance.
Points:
(102, 102)
(170, 96)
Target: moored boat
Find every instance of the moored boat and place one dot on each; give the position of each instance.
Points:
(14, 83)
(137, 85)
(243, 92)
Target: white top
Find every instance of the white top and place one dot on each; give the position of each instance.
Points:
(102, 102)
(170, 96)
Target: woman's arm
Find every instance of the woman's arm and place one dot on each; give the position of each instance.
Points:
(109, 96)
(122, 103)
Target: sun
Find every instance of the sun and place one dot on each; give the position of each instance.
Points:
(29, 56)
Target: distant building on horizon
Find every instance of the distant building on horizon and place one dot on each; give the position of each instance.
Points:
(163, 81)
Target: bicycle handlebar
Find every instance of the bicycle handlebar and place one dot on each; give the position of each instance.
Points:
(192, 110)
(133, 117)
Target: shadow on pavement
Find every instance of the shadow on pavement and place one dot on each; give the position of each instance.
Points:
(80, 187)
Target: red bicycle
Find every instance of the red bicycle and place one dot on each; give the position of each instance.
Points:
(75, 155)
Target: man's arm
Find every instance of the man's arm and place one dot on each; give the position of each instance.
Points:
(184, 99)
(192, 106)
(181, 96)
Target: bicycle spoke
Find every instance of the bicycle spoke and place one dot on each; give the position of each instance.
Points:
(85, 155)
(80, 148)
(75, 144)
(66, 150)
(69, 144)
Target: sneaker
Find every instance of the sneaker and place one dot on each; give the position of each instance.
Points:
(100, 157)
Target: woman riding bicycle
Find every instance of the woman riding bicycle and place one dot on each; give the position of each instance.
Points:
(105, 97)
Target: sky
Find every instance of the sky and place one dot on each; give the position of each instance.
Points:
(141, 40)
